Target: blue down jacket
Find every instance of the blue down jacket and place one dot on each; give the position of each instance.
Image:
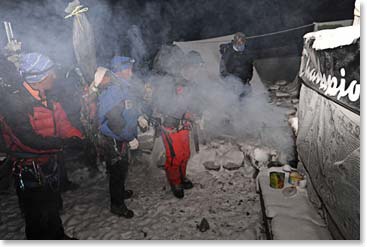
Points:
(110, 97)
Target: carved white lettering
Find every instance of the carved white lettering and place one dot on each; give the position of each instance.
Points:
(329, 84)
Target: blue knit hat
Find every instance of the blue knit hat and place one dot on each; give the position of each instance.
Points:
(34, 67)
(119, 63)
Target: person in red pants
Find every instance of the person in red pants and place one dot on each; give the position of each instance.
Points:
(176, 138)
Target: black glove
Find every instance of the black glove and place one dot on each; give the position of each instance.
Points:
(74, 143)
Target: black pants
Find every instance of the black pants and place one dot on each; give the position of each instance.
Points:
(41, 204)
(117, 160)
(118, 174)
(41, 212)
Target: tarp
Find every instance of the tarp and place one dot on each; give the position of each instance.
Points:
(328, 140)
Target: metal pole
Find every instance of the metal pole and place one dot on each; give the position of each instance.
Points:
(11, 31)
(7, 31)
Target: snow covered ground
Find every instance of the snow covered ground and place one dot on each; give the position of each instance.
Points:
(227, 199)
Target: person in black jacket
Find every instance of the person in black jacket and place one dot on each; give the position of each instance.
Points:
(237, 61)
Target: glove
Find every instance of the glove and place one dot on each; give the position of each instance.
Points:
(74, 143)
(187, 116)
(98, 78)
(134, 144)
(187, 121)
(143, 123)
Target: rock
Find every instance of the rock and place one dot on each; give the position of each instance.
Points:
(208, 159)
(232, 166)
(295, 101)
(233, 160)
(223, 149)
(291, 112)
(281, 83)
(214, 144)
(274, 87)
(204, 225)
(211, 165)
(281, 95)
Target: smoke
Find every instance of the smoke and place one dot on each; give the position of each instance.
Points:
(216, 100)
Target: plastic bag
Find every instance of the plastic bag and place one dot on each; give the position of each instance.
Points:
(83, 39)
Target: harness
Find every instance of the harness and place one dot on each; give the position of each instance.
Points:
(177, 124)
(26, 166)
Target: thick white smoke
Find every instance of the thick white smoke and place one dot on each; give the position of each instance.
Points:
(252, 120)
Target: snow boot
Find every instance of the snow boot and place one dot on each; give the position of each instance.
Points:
(128, 194)
(122, 210)
(187, 184)
(178, 191)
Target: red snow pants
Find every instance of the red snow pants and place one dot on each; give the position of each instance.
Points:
(179, 143)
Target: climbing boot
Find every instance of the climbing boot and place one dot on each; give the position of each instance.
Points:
(187, 184)
(178, 191)
(122, 210)
(128, 194)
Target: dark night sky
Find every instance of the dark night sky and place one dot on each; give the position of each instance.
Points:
(159, 22)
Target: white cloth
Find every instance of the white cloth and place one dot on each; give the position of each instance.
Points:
(134, 144)
(98, 76)
(143, 123)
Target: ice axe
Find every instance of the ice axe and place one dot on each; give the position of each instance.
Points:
(13, 47)
(195, 132)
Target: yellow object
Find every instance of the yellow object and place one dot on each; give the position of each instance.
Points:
(78, 10)
(294, 178)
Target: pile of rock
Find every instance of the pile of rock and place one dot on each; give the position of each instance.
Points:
(284, 94)
(233, 156)
(221, 154)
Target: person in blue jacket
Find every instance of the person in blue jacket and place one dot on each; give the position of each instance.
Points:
(119, 117)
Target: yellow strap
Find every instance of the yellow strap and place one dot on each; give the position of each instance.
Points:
(78, 10)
